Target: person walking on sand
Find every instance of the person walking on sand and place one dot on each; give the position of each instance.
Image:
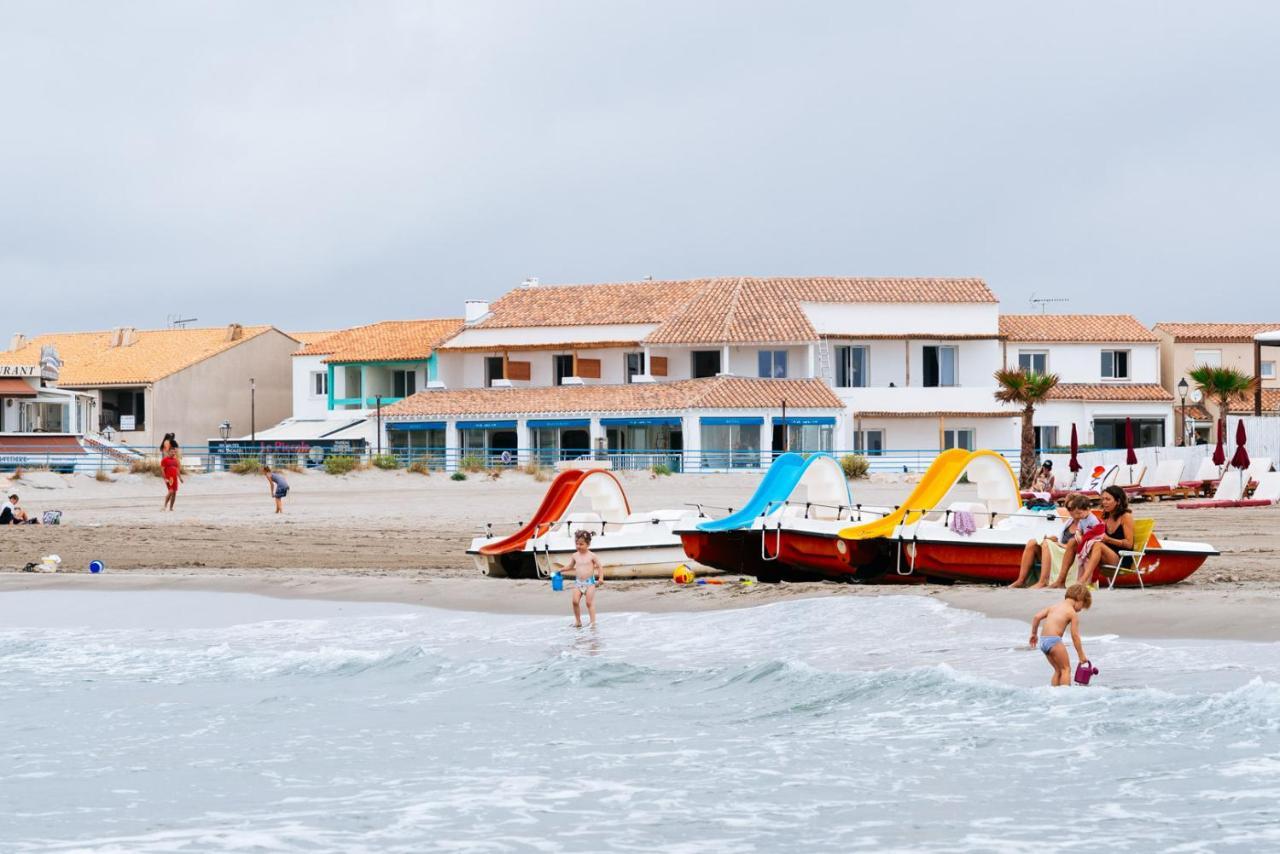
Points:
(278, 486)
(588, 575)
(1056, 619)
(171, 469)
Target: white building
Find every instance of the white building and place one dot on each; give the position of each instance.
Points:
(1109, 370)
(910, 360)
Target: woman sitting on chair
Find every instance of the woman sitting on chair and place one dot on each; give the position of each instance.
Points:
(1117, 536)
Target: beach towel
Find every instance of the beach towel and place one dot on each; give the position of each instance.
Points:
(963, 523)
(51, 517)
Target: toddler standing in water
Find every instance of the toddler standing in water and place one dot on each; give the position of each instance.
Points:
(1056, 619)
(588, 575)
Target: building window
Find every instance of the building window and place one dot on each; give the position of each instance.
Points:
(1115, 364)
(319, 383)
(964, 439)
(494, 369)
(1034, 361)
(730, 446)
(939, 366)
(706, 363)
(851, 367)
(1109, 432)
(773, 363)
(1268, 370)
(403, 383)
(1212, 358)
(868, 442)
(562, 367)
(124, 409)
(1046, 438)
(635, 366)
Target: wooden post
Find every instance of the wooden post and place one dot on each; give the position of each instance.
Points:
(1257, 377)
(942, 432)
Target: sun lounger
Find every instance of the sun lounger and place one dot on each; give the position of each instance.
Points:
(1206, 477)
(1164, 483)
(1230, 490)
(1088, 484)
(1131, 560)
(1130, 477)
(1147, 480)
(1257, 468)
(1266, 494)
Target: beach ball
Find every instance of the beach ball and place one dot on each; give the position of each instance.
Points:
(95, 566)
(682, 575)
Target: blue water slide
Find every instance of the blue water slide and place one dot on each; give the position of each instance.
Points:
(778, 484)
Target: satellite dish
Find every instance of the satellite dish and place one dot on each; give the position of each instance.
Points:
(1196, 395)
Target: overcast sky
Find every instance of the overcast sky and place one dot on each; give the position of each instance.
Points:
(315, 165)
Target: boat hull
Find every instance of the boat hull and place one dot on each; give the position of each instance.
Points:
(999, 563)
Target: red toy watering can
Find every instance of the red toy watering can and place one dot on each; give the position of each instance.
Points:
(1084, 672)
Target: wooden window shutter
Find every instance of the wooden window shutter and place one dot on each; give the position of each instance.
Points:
(589, 369)
(658, 366)
(520, 371)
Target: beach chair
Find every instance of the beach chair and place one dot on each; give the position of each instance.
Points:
(1074, 482)
(1132, 560)
(1147, 480)
(1206, 477)
(1163, 483)
(1130, 477)
(1265, 494)
(1230, 490)
(1096, 485)
(1256, 469)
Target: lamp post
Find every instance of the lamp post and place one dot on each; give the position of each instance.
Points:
(1182, 392)
(253, 411)
(377, 402)
(224, 430)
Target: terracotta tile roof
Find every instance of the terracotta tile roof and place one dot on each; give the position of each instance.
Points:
(516, 349)
(737, 310)
(710, 393)
(308, 338)
(1196, 412)
(1075, 328)
(1244, 405)
(89, 359)
(389, 340)
(1216, 333)
(1111, 391)
(937, 414)
(720, 310)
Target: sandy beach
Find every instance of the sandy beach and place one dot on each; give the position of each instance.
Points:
(400, 537)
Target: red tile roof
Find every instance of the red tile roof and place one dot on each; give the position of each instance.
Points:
(1111, 391)
(1215, 333)
(390, 340)
(710, 393)
(722, 310)
(1075, 328)
(1244, 405)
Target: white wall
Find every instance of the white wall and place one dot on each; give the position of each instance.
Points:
(976, 361)
(905, 318)
(1082, 363)
(306, 404)
(913, 434)
(745, 361)
(1064, 413)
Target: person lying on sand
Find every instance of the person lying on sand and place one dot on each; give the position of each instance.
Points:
(1056, 619)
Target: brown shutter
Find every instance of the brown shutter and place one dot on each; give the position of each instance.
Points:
(589, 369)
(520, 371)
(658, 366)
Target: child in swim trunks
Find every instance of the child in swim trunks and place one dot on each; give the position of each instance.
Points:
(1056, 619)
(587, 576)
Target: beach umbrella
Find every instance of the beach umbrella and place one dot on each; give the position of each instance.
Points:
(1130, 457)
(1219, 455)
(1240, 459)
(1074, 464)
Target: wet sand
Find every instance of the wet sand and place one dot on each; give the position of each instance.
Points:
(400, 537)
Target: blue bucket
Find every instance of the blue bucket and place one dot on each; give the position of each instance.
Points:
(95, 566)
(557, 581)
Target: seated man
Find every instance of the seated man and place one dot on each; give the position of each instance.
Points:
(12, 514)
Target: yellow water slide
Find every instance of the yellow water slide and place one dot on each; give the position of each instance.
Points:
(992, 474)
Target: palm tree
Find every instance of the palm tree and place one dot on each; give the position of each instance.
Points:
(1028, 389)
(1222, 384)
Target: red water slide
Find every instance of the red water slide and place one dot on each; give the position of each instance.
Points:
(554, 503)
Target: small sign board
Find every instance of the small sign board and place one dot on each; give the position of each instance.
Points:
(128, 423)
(18, 370)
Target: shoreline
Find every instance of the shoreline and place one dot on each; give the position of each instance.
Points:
(1167, 613)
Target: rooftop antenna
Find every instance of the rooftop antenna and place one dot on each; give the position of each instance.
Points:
(177, 321)
(1041, 302)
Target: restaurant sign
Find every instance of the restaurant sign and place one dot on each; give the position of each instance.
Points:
(18, 371)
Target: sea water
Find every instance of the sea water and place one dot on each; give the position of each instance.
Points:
(207, 722)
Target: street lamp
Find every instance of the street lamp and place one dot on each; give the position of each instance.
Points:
(253, 413)
(377, 402)
(1183, 388)
(224, 430)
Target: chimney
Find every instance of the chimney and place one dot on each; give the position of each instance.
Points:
(123, 336)
(234, 332)
(530, 282)
(474, 310)
(18, 341)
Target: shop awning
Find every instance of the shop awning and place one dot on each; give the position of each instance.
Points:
(806, 419)
(628, 422)
(36, 444)
(551, 423)
(415, 426)
(16, 387)
(744, 420)
(487, 425)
